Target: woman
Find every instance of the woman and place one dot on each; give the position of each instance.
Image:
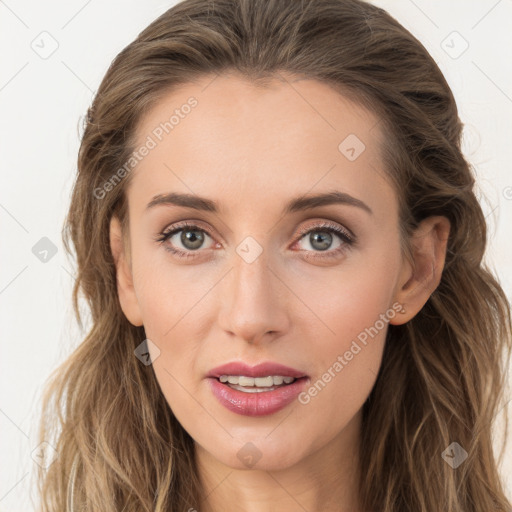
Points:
(278, 237)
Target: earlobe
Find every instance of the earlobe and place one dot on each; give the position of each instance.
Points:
(422, 276)
(124, 277)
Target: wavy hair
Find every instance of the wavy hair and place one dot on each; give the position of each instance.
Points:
(442, 377)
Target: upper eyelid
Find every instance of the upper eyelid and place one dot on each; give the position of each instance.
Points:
(186, 224)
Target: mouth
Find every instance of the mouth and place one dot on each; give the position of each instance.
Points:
(256, 390)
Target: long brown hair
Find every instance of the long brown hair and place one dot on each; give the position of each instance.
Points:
(443, 373)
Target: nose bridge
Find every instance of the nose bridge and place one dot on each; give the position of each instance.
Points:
(252, 305)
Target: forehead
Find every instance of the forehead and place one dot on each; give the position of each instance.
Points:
(223, 133)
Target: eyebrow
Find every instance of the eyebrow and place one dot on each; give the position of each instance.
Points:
(297, 204)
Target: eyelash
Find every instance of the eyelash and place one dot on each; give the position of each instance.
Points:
(325, 226)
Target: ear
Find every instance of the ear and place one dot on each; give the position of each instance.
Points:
(124, 279)
(418, 280)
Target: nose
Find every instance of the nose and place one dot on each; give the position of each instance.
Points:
(255, 302)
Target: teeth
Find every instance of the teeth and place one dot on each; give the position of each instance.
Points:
(250, 389)
(259, 382)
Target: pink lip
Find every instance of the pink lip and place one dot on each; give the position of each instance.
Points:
(256, 404)
(261, 403)
(260, 370)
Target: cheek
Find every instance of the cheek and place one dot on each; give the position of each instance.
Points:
(351, 298)
(174, 303)
(346, 363)
(355, 309)
(168, 294)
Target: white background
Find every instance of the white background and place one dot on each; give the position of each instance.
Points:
(42, 102)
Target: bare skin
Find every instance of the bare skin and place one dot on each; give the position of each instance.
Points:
(252, 150)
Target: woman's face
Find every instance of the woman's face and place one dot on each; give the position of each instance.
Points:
(249, 287)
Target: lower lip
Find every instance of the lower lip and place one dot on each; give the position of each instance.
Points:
(256, 404)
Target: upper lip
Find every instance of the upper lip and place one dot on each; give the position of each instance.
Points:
(260, 370)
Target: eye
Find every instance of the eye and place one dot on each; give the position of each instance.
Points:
(192, 237)
(320, 239)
